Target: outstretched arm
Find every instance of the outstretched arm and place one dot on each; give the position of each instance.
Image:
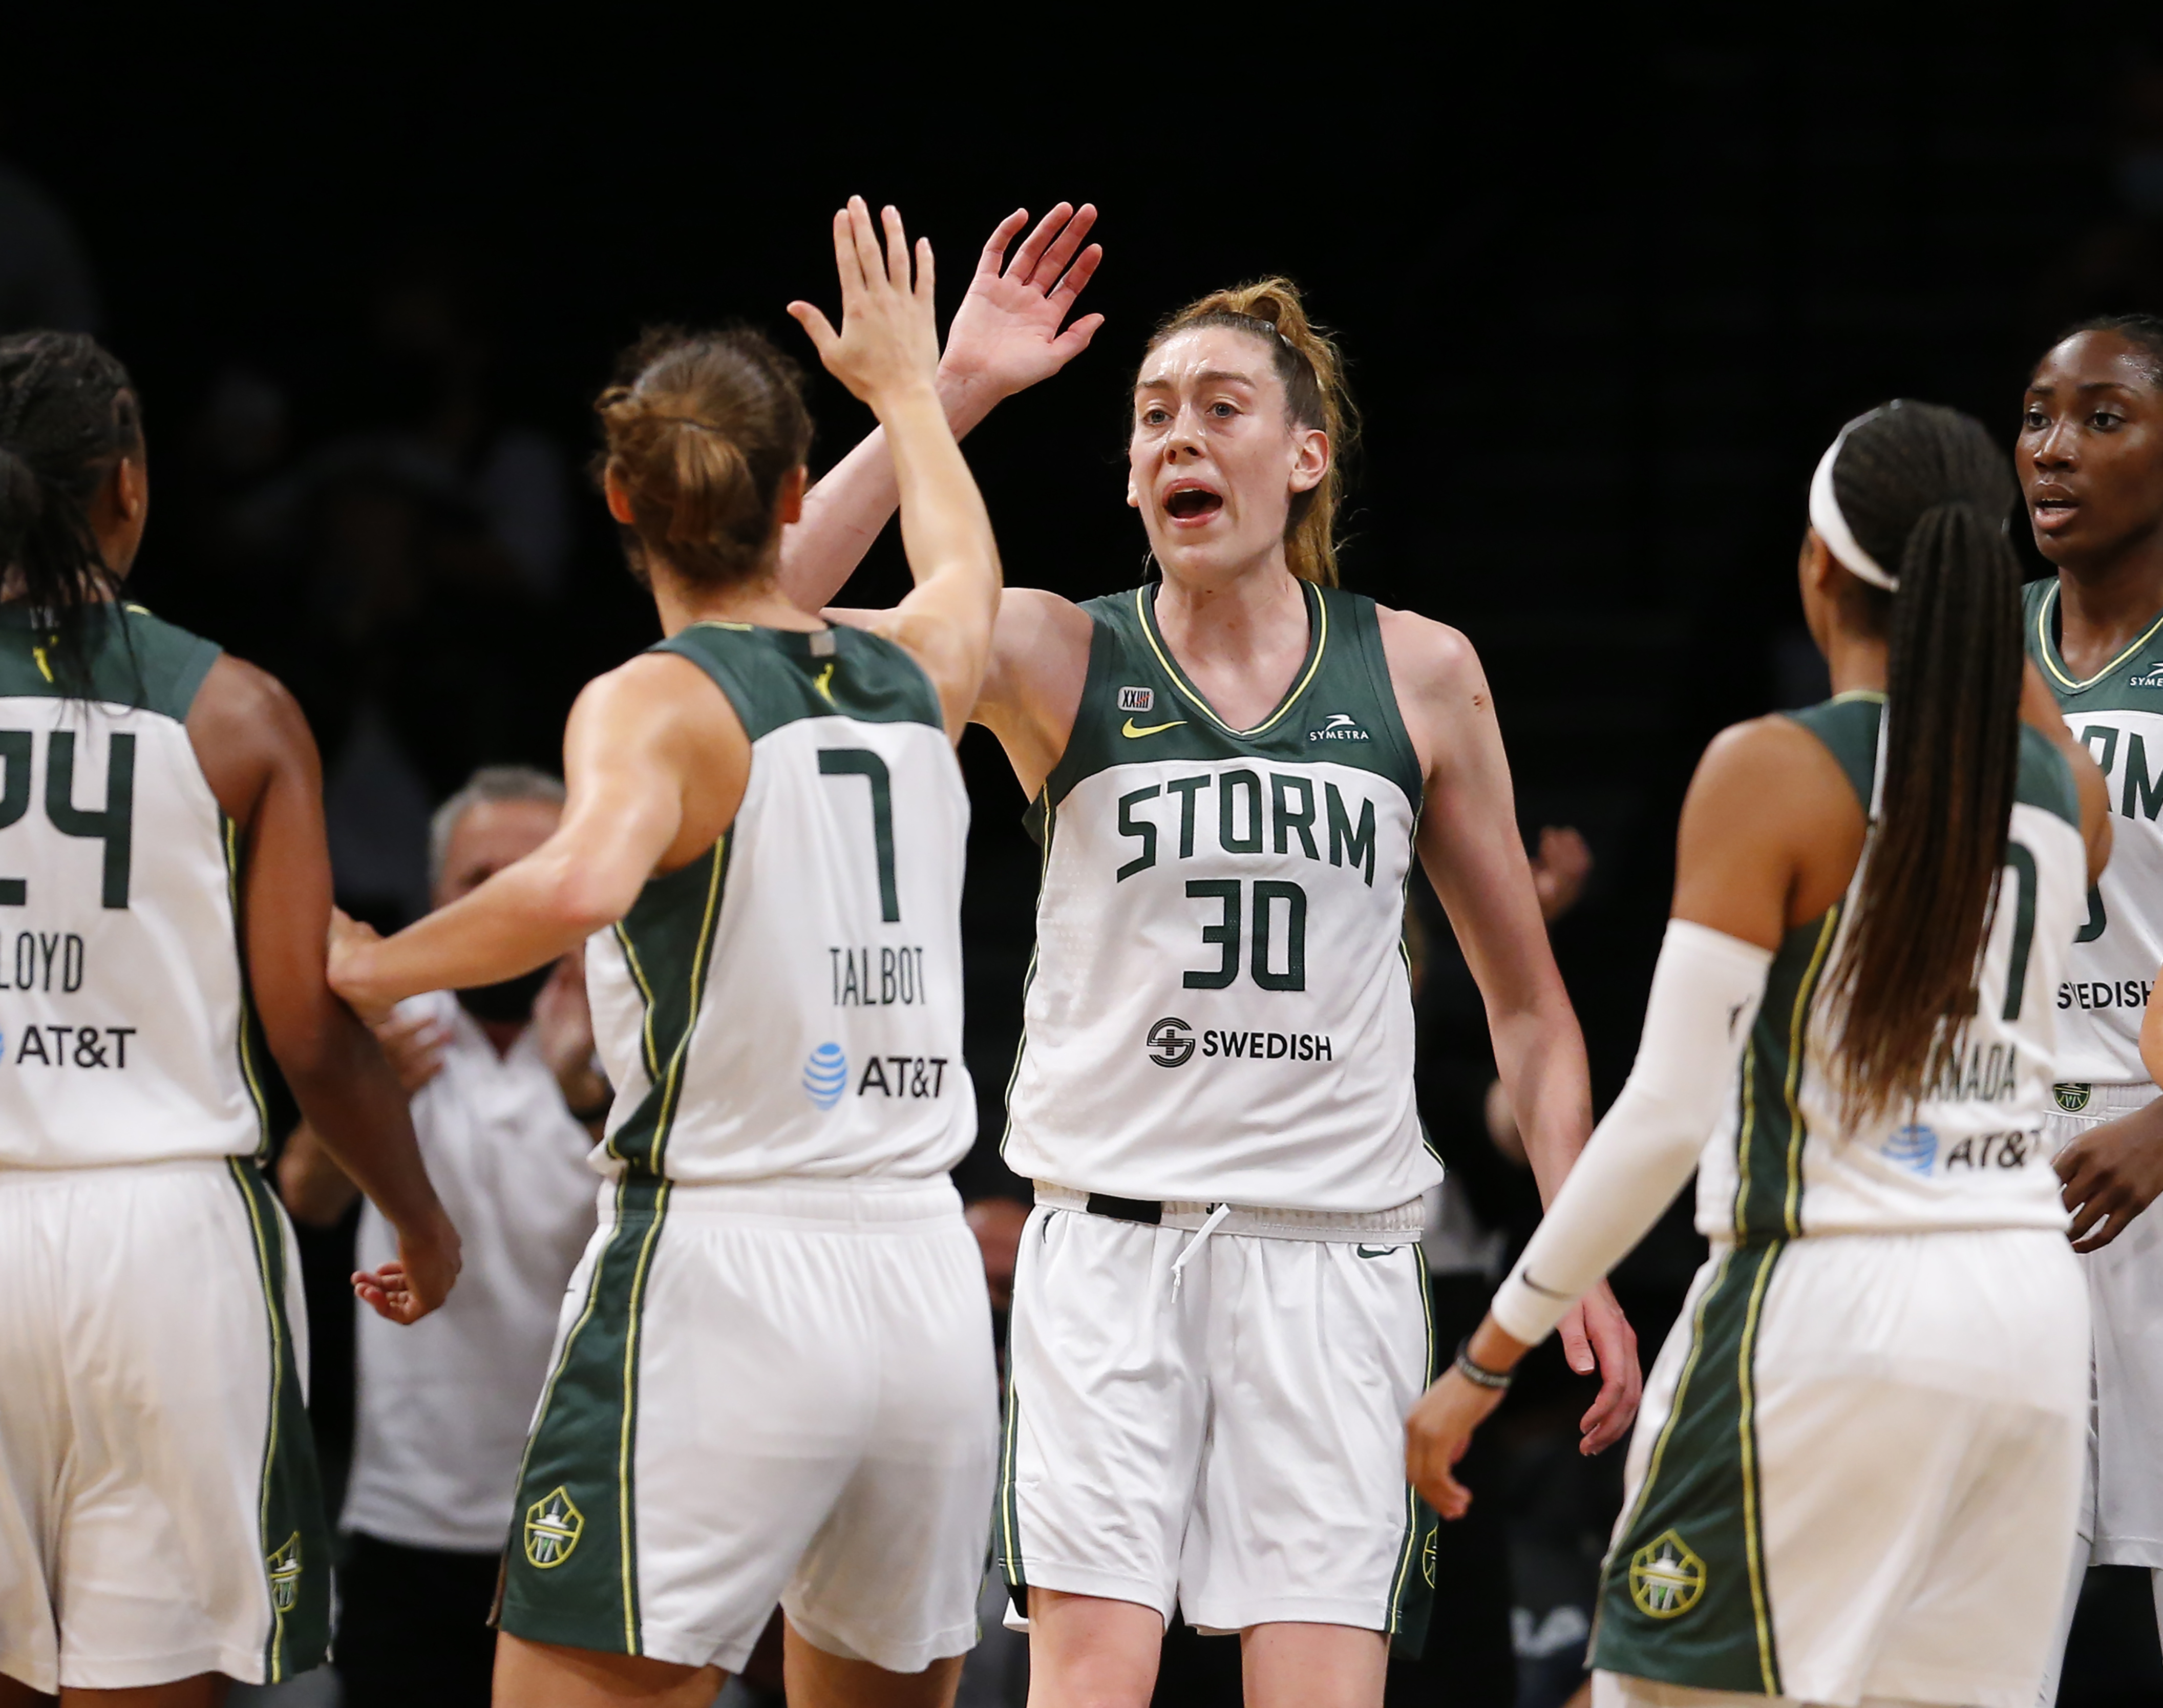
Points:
(886, 354)
(638, 738)
(1006, 336)
(1469, 845)
(261, 763)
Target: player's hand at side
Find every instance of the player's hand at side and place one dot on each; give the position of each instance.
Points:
(2111, 1173)
(345, 968)
(413, 1045)
(889, 343)
(418, 1279)
(1435, 1436)
(1596, 1334)
(1006, 336)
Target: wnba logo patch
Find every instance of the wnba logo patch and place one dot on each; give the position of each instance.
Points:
(1666, 1577)
(284, 1565)
(827, 1075)
(2072, 1098)
(1137, 700)
(552, 1525)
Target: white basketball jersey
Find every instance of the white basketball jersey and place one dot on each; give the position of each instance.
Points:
(1970, 1154)
(1219, 1009)
(790, 1002)
(124, 1031)
(2117, 714)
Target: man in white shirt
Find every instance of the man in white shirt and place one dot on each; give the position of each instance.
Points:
(506, 1099)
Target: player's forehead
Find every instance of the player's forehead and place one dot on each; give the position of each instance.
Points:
(1206, 356)
(2094, 363)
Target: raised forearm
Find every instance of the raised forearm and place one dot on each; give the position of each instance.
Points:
(944, 527)
(526, 915)
(855, 499)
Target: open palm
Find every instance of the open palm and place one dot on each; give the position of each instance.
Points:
(1006, 334)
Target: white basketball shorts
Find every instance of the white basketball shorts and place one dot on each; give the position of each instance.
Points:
(1854, 1476)
(1229, 1435)
(159, 1514)
(2122, 1508)
(776, 1391)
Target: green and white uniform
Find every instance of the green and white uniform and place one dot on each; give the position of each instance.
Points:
(1855, 1470)
(159, 1514)
(773, 1376)
(1220, 1311)
(2117, 714)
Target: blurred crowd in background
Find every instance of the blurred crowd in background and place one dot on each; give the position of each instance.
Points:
(1595, 372)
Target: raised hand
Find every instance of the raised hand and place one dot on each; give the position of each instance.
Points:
(413, 1045)
(1006, 336)
(888, 342)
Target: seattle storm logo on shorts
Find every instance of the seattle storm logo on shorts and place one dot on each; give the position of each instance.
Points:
(1171, 1043)
(2072, 1098)
(1666, 1577)
(283, 1564)
(552, 1524)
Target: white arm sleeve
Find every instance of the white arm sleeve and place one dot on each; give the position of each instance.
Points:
(1705, 998)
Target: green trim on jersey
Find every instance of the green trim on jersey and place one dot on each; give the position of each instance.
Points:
(1683, 1594)
(1848, 725)
(137, 660)
(571, 1567)
(249, 1045)
(1770, 1135)
(668, 941)
(776, 676)
(2108, 689)
(1341, 706)
(294, 1534)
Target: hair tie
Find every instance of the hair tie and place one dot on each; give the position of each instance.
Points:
(1832, 527)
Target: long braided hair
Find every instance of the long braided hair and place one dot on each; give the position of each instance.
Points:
(1925, 491)
(68, 414)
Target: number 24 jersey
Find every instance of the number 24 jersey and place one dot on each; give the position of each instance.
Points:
(1219, 1009)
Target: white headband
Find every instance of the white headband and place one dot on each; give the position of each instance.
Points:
(1832, 527)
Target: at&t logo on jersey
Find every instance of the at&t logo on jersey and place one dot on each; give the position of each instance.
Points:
(1911, 1147)
(827, 1075)
(1137, 700)
(1341, 726)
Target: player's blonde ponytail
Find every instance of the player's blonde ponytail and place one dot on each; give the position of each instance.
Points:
(700, 430)
(1308, 361)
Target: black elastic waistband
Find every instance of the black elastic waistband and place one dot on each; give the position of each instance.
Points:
(1149, 1211)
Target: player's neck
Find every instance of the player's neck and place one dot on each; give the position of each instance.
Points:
(2104, 607)
(1856, 663)
(757, 600)
(1240, 642)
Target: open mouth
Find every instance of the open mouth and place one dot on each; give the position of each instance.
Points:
(2053, 507)
(1192, 504)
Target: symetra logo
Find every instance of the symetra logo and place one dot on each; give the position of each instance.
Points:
(1138, 700)
(1171, 1043)
(1341, 726)
(2150, 678)
(827, 1075)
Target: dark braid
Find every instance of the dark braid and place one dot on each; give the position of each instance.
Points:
(68, 414)
(1925, 491)
(2143, 331)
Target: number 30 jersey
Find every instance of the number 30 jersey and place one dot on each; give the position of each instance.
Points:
(2118, 715)
(790, 1002)
(1219, 1009)
(125, 1033)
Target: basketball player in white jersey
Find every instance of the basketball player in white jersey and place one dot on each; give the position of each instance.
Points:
(2090, 459)
(774, 1374)
(1220, 1310)
(1861, 1455)
(166, 889)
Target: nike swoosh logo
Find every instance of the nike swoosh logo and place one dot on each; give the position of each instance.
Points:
(1130, 730)
(1376, 1250)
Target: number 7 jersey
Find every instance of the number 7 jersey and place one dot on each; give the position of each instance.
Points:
(125, 1031)
(1219, 1009)
(790, 1002)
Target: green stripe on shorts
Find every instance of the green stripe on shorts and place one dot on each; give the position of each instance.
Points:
(1683, 1597)
(295, 1536)
(571, 1572)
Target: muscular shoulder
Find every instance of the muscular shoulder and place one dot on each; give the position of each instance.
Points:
(1440, 685)
(245, 725)
(1771, 831)
(652, 699)
(1039, 626)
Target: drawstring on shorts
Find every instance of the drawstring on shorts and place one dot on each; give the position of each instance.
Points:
(1217, 1214)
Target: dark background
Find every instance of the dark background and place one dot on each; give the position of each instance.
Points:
(1604, 301)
